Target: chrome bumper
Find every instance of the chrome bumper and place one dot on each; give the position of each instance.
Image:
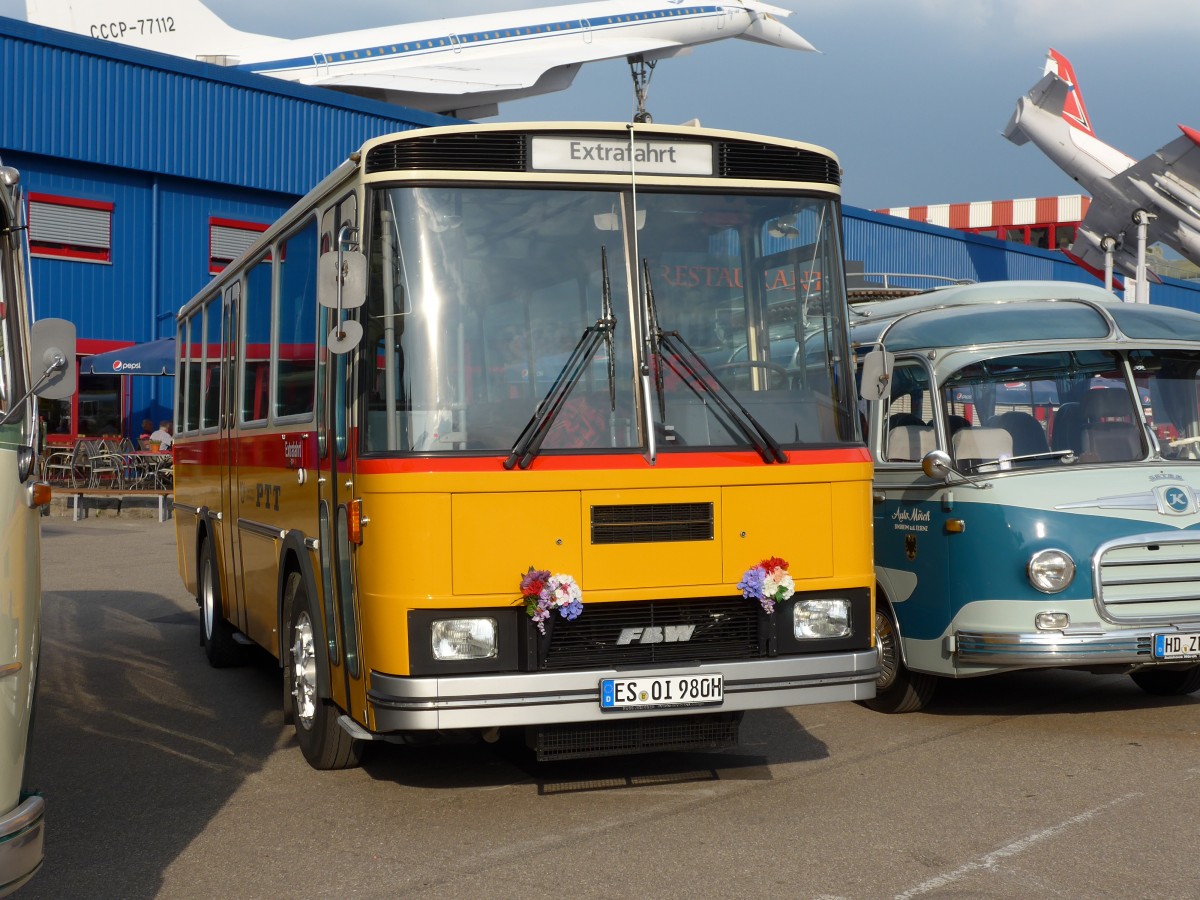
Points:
(22, 835)
(543, 698)
(1129, 647)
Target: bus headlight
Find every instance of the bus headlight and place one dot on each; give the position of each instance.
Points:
(1051, 571)
(457, 639)
(824, 618)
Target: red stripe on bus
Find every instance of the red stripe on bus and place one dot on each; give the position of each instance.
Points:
(576, 462)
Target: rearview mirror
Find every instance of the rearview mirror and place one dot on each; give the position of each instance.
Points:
(876, 375)
(52, 355)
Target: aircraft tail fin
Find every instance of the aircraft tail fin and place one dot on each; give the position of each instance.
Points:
(181, 27)
(1074, 110)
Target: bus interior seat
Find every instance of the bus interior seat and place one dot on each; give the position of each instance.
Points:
(899, 419)
(1066, 430)
(975, 447)
(956, 423)
(1028, 436)
(1110, 432)
(910, 443)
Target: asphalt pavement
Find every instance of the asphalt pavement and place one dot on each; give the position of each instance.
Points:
(167, 778)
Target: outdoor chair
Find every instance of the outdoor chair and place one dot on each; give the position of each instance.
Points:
(69, 466)
(106, 466)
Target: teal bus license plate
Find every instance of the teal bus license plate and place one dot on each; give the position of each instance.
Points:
(1185, 645)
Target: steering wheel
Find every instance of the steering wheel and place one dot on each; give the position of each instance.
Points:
(749, 364)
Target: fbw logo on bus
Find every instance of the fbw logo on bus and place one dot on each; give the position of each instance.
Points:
(656, 634)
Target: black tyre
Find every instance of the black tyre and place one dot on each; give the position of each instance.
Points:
(216, 634)
(1168, 682)
(324, 743)
(897, 690)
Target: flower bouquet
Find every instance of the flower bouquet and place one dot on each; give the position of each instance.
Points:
(543, 593)
(768, 583)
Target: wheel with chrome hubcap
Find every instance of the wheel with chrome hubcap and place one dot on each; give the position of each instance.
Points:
(897, 689)
(324, 743)
(216, 634)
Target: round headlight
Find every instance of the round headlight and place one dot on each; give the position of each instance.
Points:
(1051, 571)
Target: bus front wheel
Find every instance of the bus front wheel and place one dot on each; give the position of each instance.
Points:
(1168, 682)
(215, 632)
(324, 743)
(897, 689)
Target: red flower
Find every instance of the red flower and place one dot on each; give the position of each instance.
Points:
(774, 563)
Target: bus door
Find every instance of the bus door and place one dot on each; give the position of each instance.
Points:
(227, 455)
(336, 491)
(913, 512)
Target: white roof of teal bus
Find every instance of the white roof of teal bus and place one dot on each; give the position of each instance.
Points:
(1007, 312)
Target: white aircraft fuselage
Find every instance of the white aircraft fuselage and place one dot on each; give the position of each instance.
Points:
(463, 65)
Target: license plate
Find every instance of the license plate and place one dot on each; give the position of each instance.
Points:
(662, 692)
(1185, 645)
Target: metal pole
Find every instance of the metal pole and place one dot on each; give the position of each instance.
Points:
(1142, 292)
(1108, 243)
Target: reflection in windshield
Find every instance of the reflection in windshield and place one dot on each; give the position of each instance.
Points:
(1049, 409)
(478, 297)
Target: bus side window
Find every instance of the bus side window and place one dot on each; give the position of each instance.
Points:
(256, 353)
(211, 404)
(296, 324)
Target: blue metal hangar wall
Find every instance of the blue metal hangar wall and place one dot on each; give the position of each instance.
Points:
(143, 175)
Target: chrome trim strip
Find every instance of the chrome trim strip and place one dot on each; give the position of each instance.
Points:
(1058, 649)
(267, 531)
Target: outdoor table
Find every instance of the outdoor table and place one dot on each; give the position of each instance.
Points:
(146, 467)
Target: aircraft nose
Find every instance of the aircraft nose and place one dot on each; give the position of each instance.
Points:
(765, 29)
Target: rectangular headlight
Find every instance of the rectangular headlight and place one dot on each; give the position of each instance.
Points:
(825, 618)
(457, 639)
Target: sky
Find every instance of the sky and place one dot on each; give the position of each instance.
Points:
(912, 95)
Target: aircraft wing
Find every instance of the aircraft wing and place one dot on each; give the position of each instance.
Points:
(1165, 183)
(479, 74)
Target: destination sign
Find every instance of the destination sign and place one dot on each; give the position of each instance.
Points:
(594, 154)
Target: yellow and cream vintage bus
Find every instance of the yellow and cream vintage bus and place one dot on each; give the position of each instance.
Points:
(35, 360)
(549, 427)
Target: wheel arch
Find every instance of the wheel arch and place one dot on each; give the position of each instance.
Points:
(294, 557)
(884, 603)
(205, 532)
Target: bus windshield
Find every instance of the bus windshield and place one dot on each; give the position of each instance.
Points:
(478, 296)
(1065, 406)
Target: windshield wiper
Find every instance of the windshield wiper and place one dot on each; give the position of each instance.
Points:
(529, 442)
(697, 375)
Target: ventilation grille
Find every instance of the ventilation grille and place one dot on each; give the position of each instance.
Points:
(669, 631)
(745, 159)
(487, 151)
(652, 523)
(507, 151)
(702, 732)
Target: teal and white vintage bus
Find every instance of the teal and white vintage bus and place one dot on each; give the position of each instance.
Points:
(1037, 485)
(35, 360)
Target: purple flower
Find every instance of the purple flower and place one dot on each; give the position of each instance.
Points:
(751, 584)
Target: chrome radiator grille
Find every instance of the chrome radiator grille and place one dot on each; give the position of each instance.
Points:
(1154, 579)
